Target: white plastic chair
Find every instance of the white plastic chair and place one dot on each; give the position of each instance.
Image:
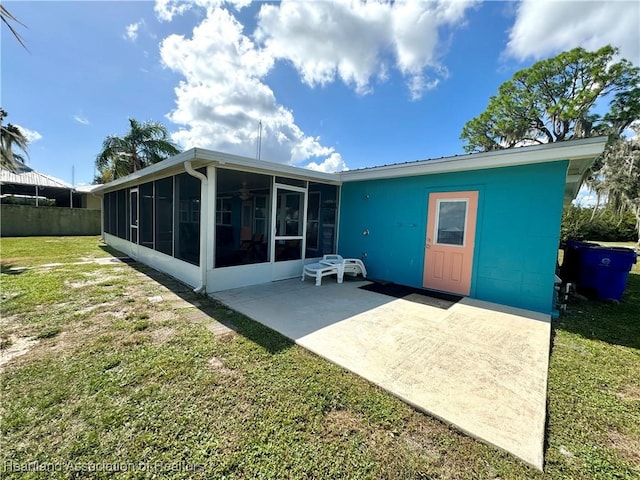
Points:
(351, 266)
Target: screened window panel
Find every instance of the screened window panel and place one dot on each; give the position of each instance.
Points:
(322, 211)
(122, 224)
(113, 213)
(164, 215)
(313, 221)
(145, 225)
(291, 181)
(187, 238)
(242, 212)
(105, 212)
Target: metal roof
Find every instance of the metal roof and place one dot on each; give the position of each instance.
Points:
(580, 154)
(587, 148)
(28, 176)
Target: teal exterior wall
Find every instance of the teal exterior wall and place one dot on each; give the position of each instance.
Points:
(517, 232)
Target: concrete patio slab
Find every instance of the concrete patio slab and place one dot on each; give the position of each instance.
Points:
(479, 366)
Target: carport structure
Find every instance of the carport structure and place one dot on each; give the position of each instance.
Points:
(26, 183)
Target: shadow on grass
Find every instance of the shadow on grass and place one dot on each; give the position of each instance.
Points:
(111, 251)
(614, 323)
(10, 269)
(269, 339)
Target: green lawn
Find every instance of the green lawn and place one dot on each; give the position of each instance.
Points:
(17, 252)
(114, 378)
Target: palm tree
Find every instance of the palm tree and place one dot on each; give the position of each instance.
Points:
(145, 144)
(11, 136)
(8, 17)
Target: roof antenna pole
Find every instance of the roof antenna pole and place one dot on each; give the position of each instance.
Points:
(259, 145)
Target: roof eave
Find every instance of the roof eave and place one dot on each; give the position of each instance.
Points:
(148, 171)
(201, 156)
(263, 166)
(584, 150)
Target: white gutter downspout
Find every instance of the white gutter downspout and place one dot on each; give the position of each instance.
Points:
(203, 231)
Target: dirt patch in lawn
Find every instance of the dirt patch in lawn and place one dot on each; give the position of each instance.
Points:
(16, 347)
(162, 335)
(93, 280)
(227, 375)
(630, 393)
(341, 423)
(97, 306)
(626, 446)
(420, 437)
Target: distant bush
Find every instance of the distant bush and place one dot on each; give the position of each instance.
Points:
(605, 226)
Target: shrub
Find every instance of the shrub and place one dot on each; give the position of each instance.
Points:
(606, 226)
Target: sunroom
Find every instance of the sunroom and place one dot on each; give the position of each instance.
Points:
(218, 221)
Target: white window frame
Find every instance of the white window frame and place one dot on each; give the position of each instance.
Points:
(437, 222)
(220, 211)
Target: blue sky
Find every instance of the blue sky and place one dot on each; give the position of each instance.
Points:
(336, 85)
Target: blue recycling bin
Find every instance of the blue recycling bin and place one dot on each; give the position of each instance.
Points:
(603, 271)
(571, 263)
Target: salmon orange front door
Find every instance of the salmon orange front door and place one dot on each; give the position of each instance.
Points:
(451, 227)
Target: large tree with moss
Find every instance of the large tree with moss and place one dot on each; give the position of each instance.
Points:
(555, 100)
(617, 177)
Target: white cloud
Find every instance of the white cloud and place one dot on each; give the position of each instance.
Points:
(357, 41)
(30, 135)
(333, 163)
(543, 28)
(81, 119)
(131, 31)
(166, 10)
(223, 96)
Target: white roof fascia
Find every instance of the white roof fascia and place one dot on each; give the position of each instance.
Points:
(148, 171)
(574, 150)
(246, 164)
(580, 153)
(205, 157)
(88, 188)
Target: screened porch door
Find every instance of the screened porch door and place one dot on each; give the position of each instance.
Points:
(133, 204)
(289, 221)
(449, 247)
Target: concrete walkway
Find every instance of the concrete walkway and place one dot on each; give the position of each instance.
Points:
(479, 366)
